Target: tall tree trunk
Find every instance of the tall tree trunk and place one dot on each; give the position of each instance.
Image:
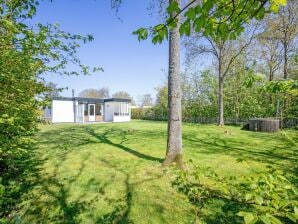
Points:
(270, 79)
(220, 101)
(220, 91)
(285, 59)
(174, 142)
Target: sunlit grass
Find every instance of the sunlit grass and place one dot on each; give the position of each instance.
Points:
(111, 173)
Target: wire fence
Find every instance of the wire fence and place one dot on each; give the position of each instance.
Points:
(285, 122)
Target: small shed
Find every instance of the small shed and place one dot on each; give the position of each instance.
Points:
(264, 124)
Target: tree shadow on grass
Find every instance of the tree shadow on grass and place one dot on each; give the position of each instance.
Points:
(17, 179)
(80, 136)
(57, 191)
(49, 198)
(121, 212)
(282, 156)
(103, 138)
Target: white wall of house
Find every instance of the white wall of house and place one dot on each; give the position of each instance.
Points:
(109, 108)
(117, 111)
(121, 118)
(123, 112)
(62, 111)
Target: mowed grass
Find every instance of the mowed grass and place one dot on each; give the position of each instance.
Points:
(111, 173)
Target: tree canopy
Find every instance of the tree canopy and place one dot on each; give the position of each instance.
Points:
(219, 19)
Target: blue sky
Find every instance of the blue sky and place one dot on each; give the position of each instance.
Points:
(129, 65)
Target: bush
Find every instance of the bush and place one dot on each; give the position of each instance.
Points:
(264, 198)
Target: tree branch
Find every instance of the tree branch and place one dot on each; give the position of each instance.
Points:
(239, 52)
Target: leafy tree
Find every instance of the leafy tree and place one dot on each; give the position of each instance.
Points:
(199, 99)
(225, 53)
(215, 19)
(95, 93)
(285, 28)
(27, 53)
(124, 95)
(161, 104)
(121, 95)
(51, 90)
(244, 98)
(147, 100)
(278, 42)
(174, 141)
(270, 51)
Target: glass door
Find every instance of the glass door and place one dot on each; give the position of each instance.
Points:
(91, 112)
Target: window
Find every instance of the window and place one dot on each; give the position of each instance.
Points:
(91, 110)
(98, 109)
(86, 109)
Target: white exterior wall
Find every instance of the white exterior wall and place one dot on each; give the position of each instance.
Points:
(116, 107)
(109, 111)
(62, 111)
(121, 118)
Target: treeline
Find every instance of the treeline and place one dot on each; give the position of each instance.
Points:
(28, 52)
(248, 95)
(254, 75)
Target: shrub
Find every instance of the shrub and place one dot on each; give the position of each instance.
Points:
(264, 198)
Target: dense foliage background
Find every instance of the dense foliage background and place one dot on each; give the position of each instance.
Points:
(27, 53)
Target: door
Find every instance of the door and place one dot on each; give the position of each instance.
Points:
(91, 112)
(80, 117)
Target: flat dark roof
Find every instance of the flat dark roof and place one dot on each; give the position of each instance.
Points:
(117, 100)
(84, 99)
(91, 100)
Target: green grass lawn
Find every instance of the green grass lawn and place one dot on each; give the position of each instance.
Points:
(111, 173)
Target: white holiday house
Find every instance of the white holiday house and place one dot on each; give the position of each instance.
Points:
(83, 110)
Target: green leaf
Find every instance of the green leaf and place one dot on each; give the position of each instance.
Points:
(292, 217)
(249, 217)
(273, 219)
(274, 8)
(281, 2)
(223, 29)
(185, 28)
(208, 4)
(198, 24)
(191, 13)
(142, 33)
(261, 13)
(173, 7)
(172, 24)
(265, 219)
(259, 200)
(157, 39)
(248, 197)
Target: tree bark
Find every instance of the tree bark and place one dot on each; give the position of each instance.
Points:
(220, 91)
(285, 59)
(270, 73)
(220, 101)
(174, 141)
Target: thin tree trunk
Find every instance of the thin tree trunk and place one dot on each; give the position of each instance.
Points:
(270, 73)
(220, 101)
(174, 142)
(220, 91)
(285, 61)
(270, 79)
(285, 66)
